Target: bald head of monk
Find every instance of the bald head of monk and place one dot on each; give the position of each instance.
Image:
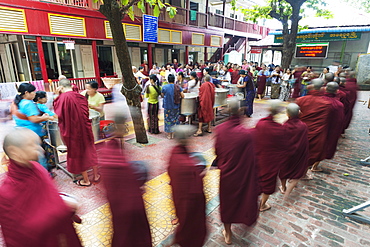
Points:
(317, 84)
(182, 133)
(234, 106)
(332, 87)
(292, 110)
(342, 81)
(329, 77)
(275, 106)
(22, 145)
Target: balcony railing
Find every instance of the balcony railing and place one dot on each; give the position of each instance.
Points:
(183, 16)
(75, 3)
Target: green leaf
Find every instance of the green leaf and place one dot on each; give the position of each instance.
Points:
(130, 13)
(124, 2)
(141, 6)
(160, 4)
(172, 12)
(156, 11)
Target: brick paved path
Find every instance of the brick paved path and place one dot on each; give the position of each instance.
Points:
(312, 216)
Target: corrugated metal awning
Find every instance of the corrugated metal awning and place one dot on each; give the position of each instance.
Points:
(329, 30)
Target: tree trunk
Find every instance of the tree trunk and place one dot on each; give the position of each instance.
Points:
(132, 91)
(290, 35)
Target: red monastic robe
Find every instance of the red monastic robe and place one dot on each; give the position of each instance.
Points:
(342, 97)
(315, 113)
(188, 197)
(239, 177)
(206, 102)
(130, 223)
(351, 87)
(297, 161)
(75, 129)
(271, 152)
(335, 124)
(32, 213)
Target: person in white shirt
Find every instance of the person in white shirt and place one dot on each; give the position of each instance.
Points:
(194, 83)
(285, 86)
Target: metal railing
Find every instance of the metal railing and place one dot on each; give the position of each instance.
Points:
(79, 82)
(76, 3)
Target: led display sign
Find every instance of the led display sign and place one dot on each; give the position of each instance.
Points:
(312, 50)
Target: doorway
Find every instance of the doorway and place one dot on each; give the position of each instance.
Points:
(105, 58)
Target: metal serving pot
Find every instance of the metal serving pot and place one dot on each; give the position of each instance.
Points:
(221, 96)
(54, 132)
(188, 104)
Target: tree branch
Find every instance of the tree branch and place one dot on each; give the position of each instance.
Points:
(125, 8)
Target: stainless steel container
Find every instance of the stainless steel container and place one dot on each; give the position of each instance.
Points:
(188, 104)
(232, 89)
(221, 96)
(54, 132)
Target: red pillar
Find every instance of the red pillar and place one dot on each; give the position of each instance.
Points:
(205, 54)
(150, 57)
(245, 48)
(96, 62)
(186, 54)
(44, 72)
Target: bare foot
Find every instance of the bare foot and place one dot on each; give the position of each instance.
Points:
(307, 177)
(316, 169)
(227, 237)
(282, 190)
(265, 207)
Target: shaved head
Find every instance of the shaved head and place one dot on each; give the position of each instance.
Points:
(275, 106)
(234, 106)
(65, 83)
(183, 132)
(22, 145)
(317, 84)
(332, 87)
(329, 77)
(292, 110)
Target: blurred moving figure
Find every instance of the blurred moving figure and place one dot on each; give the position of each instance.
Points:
(296, 165)
(32, 213)
(239, 178)
(351, 88)
(124, 193)
(271, 152)
(315, 113)
(206, 103)
(335, 121)
(187, 190)
(75, 129)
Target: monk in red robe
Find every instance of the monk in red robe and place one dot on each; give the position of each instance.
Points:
(239, 188)
(351, 88)
(206, 103)
(187, 190)
(315, 114)
(335, 121)
(130, 223)
(75, 129)
(32, 213)
(271, 152)
(296, 165)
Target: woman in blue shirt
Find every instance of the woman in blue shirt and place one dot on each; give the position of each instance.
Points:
(172, 95)
(28, 115)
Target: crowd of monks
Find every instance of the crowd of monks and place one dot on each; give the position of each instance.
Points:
(32, 213)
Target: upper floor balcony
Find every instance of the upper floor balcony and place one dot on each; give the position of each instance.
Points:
(184, 16)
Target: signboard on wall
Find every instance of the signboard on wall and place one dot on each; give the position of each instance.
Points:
(312, 50)
(256, 50)
(70, 44)
(319, 37)
(150, 27)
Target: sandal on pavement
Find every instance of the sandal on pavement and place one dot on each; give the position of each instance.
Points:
(97, 180)
(83, 185)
